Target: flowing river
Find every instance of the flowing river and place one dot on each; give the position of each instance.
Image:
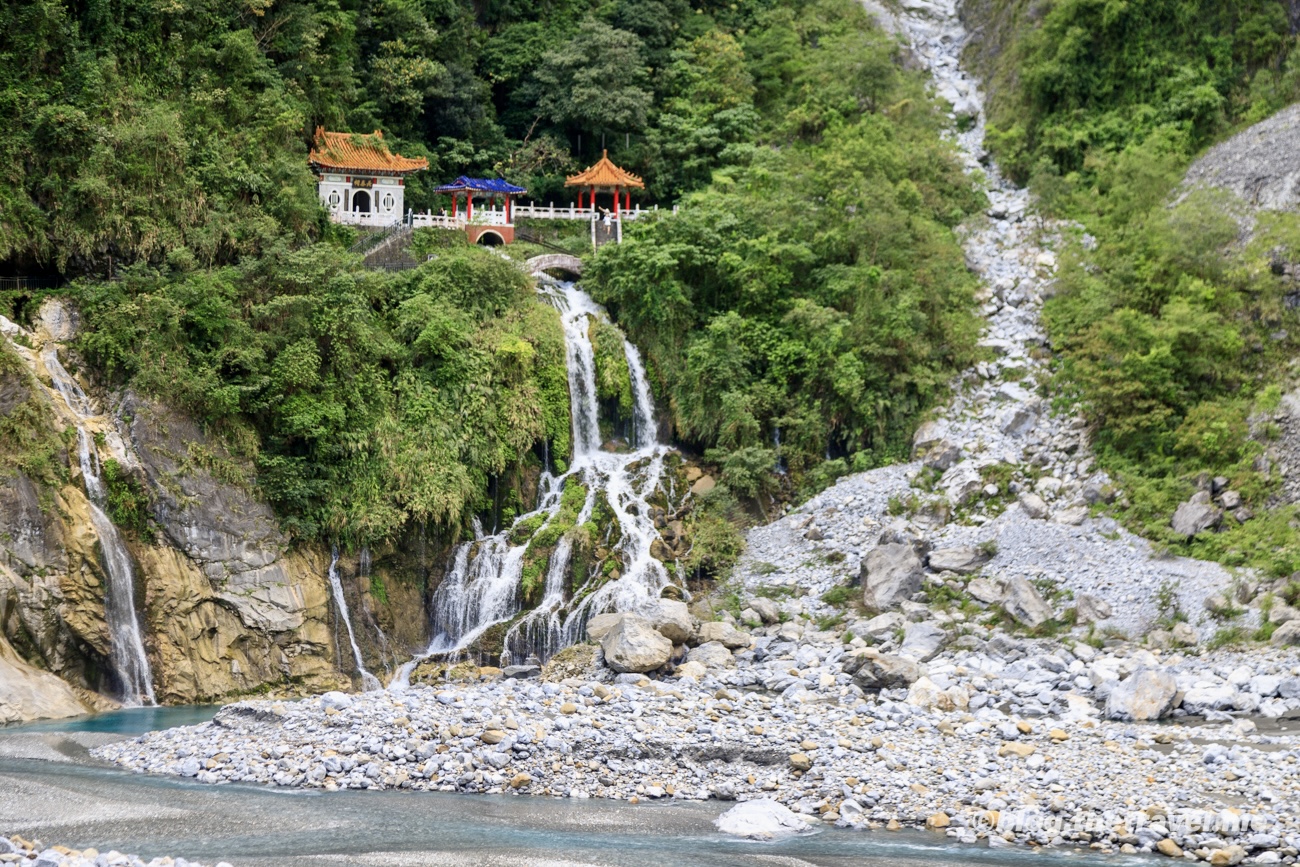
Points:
(52, 790)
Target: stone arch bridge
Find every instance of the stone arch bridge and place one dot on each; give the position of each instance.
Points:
(555, 262)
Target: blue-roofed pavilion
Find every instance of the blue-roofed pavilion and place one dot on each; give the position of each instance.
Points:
(494, 190)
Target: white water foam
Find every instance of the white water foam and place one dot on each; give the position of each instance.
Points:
(482, 590)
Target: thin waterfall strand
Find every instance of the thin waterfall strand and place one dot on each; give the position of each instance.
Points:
(126, 646)
(368, 680)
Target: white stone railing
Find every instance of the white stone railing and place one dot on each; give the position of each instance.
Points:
(572, 212)
(365, 218)
(485, 215)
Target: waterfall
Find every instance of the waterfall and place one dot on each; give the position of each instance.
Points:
(363, 575)
(482, 586)
(368, 680)
(126, 647)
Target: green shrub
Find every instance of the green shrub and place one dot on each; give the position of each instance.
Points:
(128, 503)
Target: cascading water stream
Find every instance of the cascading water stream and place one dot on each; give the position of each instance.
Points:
(368, 680)
(126, 647)
(363, 574)
(482, 586)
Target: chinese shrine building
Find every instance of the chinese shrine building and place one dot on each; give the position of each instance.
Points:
(492, 224)
(605, 177)
(359, 180)
(362, 183)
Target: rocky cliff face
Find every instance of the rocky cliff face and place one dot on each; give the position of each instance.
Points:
(227, 605)
(231, 608)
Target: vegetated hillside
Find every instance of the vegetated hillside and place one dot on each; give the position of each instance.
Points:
(1171, 324)
(812, 300)
(813, 287)
(175, 132)
(364, 400)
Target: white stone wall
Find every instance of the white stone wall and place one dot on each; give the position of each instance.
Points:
(387, 196)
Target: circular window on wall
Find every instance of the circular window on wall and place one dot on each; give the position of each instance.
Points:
(389, 202)
(334, 200)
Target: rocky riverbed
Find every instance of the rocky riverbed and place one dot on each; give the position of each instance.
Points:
(1003, 741)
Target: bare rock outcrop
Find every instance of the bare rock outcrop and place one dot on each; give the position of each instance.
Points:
(1261, 164)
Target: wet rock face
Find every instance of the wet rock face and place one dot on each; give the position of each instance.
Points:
(232, 537)
(33, 541)
(226, 607)
(28, 693)
(233, 608)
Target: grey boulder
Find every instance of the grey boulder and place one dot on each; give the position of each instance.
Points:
(1091, 609)
(874, 670)
(963, 560)
(987, 590)
(600, 625)
(766, 609)
(673, 620)
(880, 627)
(1025, 604)
(1033, 505)
(922, 641)
(710, 653)
(1193, 518)
(633, 645)
(891, 573)
(725, 634)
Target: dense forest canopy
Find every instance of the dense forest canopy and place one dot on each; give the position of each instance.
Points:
(812, 300)
(173, 132)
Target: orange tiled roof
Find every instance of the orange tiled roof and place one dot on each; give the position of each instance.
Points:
(343, 151)
(604, 174)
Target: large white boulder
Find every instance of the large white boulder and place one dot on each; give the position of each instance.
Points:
(763, 819)
(1147, 695)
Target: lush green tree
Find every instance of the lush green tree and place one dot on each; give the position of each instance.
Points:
(812, 294)
(597, 82)
(1091, 76)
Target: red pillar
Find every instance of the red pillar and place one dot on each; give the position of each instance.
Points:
(580, 192)
(627, 200)
(469, 205)
(616, 200)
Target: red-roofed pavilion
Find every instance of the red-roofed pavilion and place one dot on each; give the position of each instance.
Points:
(359, 179)
(605, 177)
